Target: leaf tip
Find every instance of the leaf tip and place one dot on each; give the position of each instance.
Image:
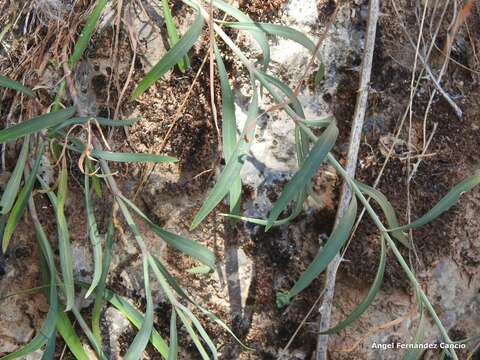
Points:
(283, 299)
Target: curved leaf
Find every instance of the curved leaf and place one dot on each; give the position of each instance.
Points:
(173, 56)
(15, 85)
(64, 246)
(134, 316)
(229, 128)
(387, 209)
(445, 203)
(11, 189)
(69, 335)
(372, 292)
(276, 30)
(173, 34)
(322, 122)
(21, 202)
(101, 121)
(87, 32)
(93, 234)
(258, 35)
(101, 287)
(232, 168)
(334, 243)
(158, 266)
(36, 124)
(135, 351)
(186, 246)
(132, 157)
(187, 316)
(302, 177)
(48, 328)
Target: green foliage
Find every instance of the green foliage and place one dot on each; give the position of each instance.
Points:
(35, 125)
(173, 38)
(372, 292)
(82, 42)
(303, 176)
(15, 85)
(20, 203)
(93, 234)
(135, 351)
(334, 243)
(11, 190)
(311, 152)
(172, 57)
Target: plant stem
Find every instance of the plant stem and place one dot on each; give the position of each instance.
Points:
(351, 165)
(411, 276)
(396, 252)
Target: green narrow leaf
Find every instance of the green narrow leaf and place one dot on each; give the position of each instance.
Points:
(97, 186)
(232, 167)
(35, 124)
(302, 177)
(158, 266)
(258, 35)
(132, 157)
(332, 247)
(87, 32)
(11, 189)
(186, 320)
(229, 128)
(171, 297)
(15, 85)
(321, 123)
(387, 209)
(186, 246)
(263, 222)
(445, 203)
(412, 353)
(66, 330)
(276, 30)
(93, 234)
(285, 89)
(196, 340)
(372, 292)
(173, 351)
(135, 317)
(173, 38)
(320, 74)
(201, 269)
(49, 352)
(100, 290)
(64, 246)
(21, 202)
(135, 351)
(101, 121)
(173, 56)
(48, 328)
(302, 141)
(86, 330)
(200, 329)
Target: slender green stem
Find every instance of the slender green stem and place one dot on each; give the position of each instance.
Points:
(413, 280)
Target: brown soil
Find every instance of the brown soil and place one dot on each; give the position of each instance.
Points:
(280, 256)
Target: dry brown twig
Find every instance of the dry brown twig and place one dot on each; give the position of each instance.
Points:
(352, 156)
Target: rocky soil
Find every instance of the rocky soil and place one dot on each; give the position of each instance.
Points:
(254, 265)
